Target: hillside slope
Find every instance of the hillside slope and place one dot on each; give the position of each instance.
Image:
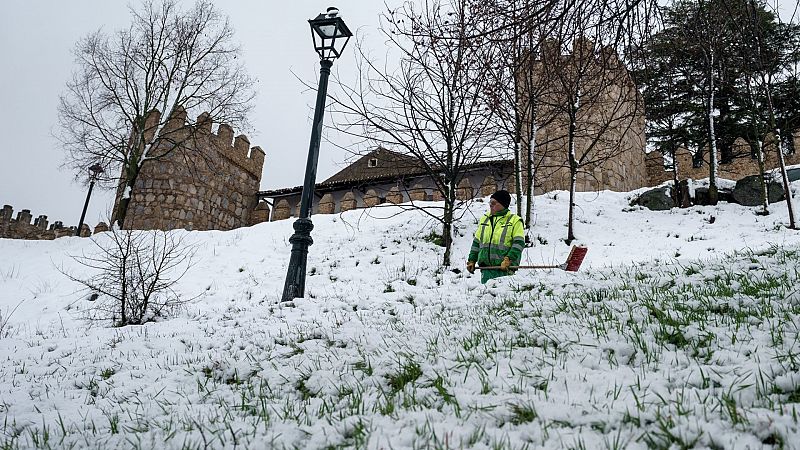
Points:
(678, 330)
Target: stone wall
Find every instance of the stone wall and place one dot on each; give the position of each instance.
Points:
(418, 188)
(21, 227)
(209, 183)
(659, 172)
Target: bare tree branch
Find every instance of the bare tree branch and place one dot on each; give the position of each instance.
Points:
(169, 61)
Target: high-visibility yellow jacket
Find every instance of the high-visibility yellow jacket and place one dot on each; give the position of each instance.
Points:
(498, 235)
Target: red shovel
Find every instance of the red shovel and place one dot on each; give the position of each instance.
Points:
(573, 263)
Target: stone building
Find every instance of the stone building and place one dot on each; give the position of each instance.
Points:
(609, 130)
(210, 183)
(611, 138)
(384, 176)
(218, 189)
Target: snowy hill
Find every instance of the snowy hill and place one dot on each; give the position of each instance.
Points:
(680, 330)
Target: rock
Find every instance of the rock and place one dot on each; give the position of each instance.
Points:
(657, 199)
(748, 191)
(682, 194)
(726, 195)
(701, 196)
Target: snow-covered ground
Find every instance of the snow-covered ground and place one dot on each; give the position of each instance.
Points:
(665, 338)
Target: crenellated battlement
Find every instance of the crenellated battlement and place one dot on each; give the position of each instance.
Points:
(21, 227)
(209, 182)
(658, 172)
(237, 150)
(550, 51)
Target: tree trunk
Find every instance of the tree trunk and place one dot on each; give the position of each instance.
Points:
(676, 187)
(787, 189)
(518, 172)
(762, 181)
(573, 175)
(447, 228)
(122, 209)
(713, 195)
(782, 163)
(755, 115)
(139, 148)
(570, 229)
(529, 185)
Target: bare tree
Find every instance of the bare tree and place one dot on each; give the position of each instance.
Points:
(168, 60)
(527, 99)
(432, 107)
(134, 275)
(513, 93)
(594, 106)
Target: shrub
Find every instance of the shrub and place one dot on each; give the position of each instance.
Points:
(135, 272)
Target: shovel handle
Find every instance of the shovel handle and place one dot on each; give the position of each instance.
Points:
(576, 255)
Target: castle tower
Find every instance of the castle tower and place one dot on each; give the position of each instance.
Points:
(610, 120)
(208, 183)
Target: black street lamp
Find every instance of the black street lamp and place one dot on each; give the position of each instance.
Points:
(94, 171)
(330, 36)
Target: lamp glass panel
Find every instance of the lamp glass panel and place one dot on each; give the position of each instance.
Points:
(328, 31)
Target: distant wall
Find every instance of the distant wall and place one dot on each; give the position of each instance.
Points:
(25, 226)
(659, 171)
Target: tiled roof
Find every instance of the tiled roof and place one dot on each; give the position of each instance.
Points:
(378, 163)
(389, 167)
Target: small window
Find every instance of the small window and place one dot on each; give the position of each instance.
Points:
(373, 162)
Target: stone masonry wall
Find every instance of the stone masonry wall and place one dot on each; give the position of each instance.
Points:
(22, 228)
(482, 183)
(610, 135)
(738, 168)
(209, 184)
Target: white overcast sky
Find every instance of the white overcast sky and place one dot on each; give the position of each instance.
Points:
(36, 42)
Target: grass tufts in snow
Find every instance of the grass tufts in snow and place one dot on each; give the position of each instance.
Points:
(701, 354)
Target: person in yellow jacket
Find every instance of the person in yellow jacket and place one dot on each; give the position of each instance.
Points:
(499, 239)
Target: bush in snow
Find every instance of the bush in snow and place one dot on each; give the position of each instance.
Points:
(134, 272)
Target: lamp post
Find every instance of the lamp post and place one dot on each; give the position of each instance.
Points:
(94, 171)
(330, 36)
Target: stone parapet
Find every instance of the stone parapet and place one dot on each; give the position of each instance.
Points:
(656, 171)
(260, 213)
(489, 186)
(326, 204)
(394, 196)
(349, 202)
(371, 198)
(418, 193)
(464, 190)
(736, 169)
(282, 210)
(40, 229)
(101, 227)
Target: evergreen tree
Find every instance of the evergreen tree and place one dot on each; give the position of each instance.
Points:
(693, 74)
